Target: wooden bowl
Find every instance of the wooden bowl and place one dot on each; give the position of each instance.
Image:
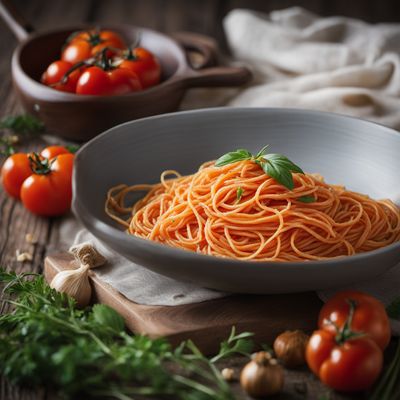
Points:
(81, 117)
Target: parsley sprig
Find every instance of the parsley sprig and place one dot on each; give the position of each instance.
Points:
(46, 341)
(277, 166)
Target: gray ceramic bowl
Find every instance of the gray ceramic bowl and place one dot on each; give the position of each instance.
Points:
(362, 155)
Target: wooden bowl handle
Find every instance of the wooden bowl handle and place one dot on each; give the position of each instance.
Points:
(206, 73)
(14, 20)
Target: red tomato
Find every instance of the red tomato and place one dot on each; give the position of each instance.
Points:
(145, 66)
(50, 194)
(86, 44)
(97, 81)
(350, 366)
(13, 173)
(52, 151)
(369, 317)
(56, 71)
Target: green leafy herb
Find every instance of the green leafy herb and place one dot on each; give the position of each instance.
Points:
(18, 125)
(233, 156)
(239, 193)
(277, 166)
(24, 124)
(306, 199)
(72, 148)
(393, 309)
(388, 385)
(46, 341)
(7, 146)
(235, 344)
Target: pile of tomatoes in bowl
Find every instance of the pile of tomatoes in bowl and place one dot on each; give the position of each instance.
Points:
(99, 62)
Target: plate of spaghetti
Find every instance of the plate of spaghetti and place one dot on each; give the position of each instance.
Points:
(246, 200)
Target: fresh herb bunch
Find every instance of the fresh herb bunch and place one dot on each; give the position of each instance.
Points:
(388, 387)
(277, 166)
(46, 341)
(18, 125)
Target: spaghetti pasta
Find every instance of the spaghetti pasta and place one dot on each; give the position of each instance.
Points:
(238, 211)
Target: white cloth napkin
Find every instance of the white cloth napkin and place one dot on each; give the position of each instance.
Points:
(299, 60)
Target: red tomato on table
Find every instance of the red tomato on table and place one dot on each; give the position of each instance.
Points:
(53, 151)
(49, 193)
(369, 317)
(13, 173)
(350, 366)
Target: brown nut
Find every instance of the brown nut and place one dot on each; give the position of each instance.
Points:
(290, 348)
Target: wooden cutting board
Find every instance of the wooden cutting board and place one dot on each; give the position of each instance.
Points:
(208, 322)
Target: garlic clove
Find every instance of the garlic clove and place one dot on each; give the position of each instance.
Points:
(75, 283)
(228, 374)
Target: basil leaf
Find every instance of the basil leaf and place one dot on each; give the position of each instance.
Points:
(306, 199)
(284, 162)
(281, 174)
(239, 193)
(233, 156)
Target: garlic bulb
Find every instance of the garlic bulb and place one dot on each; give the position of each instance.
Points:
(262, 376)
(75, 282)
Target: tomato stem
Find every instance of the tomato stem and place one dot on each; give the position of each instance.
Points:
(40, 165)
(345, 332)
(128, 55)
(76, 66)
(105, 62)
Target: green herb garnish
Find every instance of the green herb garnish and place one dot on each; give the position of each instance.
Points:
(239, 194)
(306, 199)
(72, 148)
(24, 124)
(277, 166)
(388, 385)
(18, 125)
(46, 341)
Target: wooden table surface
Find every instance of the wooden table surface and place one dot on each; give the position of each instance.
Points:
(202, 16)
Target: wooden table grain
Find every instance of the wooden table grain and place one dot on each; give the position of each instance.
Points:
(202, 16)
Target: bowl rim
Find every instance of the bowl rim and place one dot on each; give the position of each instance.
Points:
(42, 92)
(83, 214)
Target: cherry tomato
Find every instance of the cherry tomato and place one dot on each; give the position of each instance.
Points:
(144, 64)
(13, 173)
(52, 151)
(350, 366)
(96, 81)
(84, 45)
(55, 73)
(369, 317)
(50, 194)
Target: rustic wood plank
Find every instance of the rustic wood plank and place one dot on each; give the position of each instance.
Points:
(206, 323)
